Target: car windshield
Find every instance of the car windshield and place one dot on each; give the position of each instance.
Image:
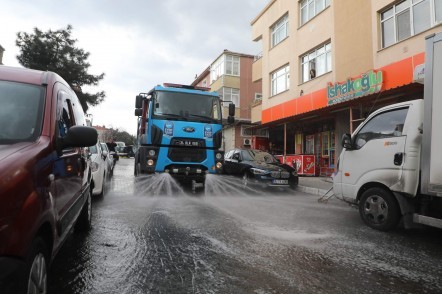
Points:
(186, 106)
(257, 155)
(21, 111)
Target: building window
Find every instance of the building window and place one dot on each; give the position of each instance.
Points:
(225, 65)
(280, 30)
(231, 94)
(310, 8)
(258, 97)
(246, 131)
(316, 62)
(280, 80)
(232, 65)
(408, 18)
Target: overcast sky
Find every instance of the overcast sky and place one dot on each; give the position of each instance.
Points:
(137, 44)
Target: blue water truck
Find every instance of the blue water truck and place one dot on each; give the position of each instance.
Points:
(180, 132)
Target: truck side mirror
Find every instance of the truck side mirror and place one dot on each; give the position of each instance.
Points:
(346, 142)
(139, 101)
(231, 109)
(138, 112)
(230, 119)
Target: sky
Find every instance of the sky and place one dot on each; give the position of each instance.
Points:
(136, 44)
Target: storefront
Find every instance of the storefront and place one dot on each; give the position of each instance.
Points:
(309, 138)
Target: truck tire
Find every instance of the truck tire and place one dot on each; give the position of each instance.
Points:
(37, 267)
(379, 209)
(83, 223)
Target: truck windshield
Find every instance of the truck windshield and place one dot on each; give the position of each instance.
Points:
(187, 106)
(21, 111)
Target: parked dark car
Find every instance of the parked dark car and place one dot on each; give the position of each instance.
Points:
(129, 151)
(259, 167)
(45, 175)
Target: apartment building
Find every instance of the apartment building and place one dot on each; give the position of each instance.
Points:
(230, 74)
(326, 65)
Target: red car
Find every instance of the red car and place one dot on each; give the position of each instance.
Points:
(45, 177)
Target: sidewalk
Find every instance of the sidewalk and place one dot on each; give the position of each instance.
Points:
(315, 185)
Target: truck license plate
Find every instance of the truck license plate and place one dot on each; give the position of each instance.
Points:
(281, 182)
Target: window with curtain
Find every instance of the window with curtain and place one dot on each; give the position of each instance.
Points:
(310, 8)
(280, 80)
(408, 18)
(317, 62)
(280, 30)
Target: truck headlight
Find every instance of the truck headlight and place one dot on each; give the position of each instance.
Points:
(218, 156)
(151, 152)
(150, 162)
(219, 165)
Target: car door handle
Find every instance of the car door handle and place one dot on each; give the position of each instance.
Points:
(398, 158)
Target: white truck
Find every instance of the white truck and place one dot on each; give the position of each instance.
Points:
(391, 166)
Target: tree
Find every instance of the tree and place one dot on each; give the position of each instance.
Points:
(120, 136)
(55, 51)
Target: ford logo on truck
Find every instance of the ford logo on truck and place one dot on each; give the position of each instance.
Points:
(189, 129)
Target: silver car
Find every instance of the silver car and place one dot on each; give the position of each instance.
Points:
(100, 169)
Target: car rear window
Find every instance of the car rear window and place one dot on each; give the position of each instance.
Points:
(21, 111)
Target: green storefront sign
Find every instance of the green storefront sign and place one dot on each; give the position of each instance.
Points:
(368, 83)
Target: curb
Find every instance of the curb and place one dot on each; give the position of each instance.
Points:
(310, 190)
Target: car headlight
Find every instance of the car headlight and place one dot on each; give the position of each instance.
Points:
(257, 171)
(94, 166)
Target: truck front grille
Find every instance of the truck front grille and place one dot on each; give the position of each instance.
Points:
(187, 150)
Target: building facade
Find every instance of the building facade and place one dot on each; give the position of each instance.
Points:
(326, 65)
(231, 76)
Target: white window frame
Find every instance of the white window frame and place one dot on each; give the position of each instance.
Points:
(258, 97)
(231, 94)
(396, 10)
(310, 60)
(225, 65)
(280, 80)
(311, 9)
(280, 30)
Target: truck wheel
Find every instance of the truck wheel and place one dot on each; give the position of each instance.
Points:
(37, 267)
(84, 219)
(379, 210)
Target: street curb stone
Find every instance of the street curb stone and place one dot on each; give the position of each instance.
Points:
(311, 190)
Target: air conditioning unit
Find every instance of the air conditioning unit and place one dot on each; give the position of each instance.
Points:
(247, 142)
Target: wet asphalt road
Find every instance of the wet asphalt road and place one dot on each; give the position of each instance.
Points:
(150, 236)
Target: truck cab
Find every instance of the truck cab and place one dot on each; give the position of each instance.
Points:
(180, 132)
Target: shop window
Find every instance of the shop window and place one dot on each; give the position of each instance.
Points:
(298, 144)
(325, 144)
(310, 144)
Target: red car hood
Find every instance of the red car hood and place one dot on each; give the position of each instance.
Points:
(9, 149)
